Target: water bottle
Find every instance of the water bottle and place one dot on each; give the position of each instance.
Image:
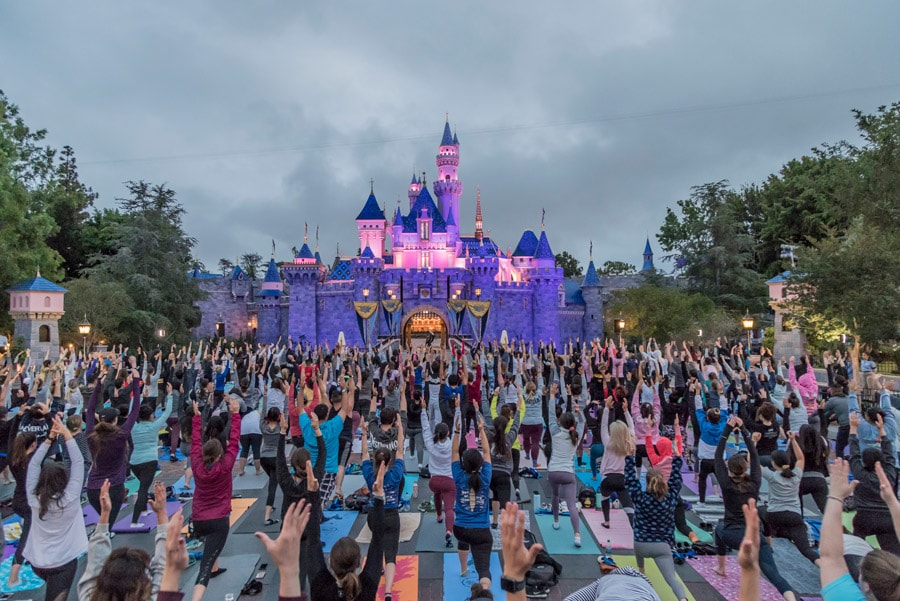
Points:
(537, 500)
(607, 551)
(415, 490)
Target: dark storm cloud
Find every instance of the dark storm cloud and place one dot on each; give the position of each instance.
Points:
(263, 116)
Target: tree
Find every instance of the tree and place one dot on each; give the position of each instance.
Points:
(709, 241)
(225, 266)
(152, 262)
(617, 268)
(252, 264)
(570, 265)
(106, 305)
(667, 313)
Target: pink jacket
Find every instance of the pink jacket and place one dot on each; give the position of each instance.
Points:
(806, 387)
(212, 497)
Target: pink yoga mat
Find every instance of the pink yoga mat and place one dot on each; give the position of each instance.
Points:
(123, 526)
(619, 534)
(729, 586)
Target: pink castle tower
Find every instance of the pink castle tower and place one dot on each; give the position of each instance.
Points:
(448, 188)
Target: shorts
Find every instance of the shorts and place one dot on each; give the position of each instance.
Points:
(326, 487)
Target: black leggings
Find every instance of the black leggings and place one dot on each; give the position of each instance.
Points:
(24, 512)
(144, 472)
(59, 580)
(215, 533)
(790, 525)
(877, 523)
(816, 486)
(116, 497)
(480, 541)
(501, 487)
(517, 456)
(681, 519)
(615, 483)
(250, 441)
(391, 538)
(707, 467)
(268, 465)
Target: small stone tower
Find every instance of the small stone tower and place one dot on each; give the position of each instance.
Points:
(303, 274)
(268, 304)
(371, 225)
(484, 266)
(648, 257)
(366, 270)
(592, 292)
(36, 305)
(447, 187)
(547, 282)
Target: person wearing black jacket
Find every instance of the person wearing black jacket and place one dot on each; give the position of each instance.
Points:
(294, 487)
(872, 513)
(740, 480)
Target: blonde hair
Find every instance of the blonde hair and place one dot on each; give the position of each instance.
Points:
(656, 484)
(621, 440)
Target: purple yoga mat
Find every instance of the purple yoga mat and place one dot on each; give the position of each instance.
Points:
(729, 586)
(123, 526)
(7, 551)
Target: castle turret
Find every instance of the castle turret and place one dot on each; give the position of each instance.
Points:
(415, 186)
(484, 266)
(303, 274)
(547, 283)
(479, 220)
(37, 305)
(447, 187)
(268, 304)
(371, 225)
(366, 270)
(592, 292)
(648, 257)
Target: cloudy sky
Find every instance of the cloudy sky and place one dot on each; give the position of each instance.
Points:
(266, 115)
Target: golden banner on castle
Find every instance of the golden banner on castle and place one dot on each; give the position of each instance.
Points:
(478, 309)
(391, 305)
(365, 310)
(456, 305)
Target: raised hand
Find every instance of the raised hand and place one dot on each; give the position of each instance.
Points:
(840, 485)
(158, 503)
(748, 554)
(285, 550)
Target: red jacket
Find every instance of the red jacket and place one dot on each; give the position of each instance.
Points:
(212, 496)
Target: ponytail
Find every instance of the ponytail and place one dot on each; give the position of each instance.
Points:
(780, 457)
(349, 585)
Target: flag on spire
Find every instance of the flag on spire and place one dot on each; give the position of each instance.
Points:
(305, 232)
(591, 251)
(317, 237)
(273, 248)
(543, 215)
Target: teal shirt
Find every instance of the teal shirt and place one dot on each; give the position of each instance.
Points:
(145, 436)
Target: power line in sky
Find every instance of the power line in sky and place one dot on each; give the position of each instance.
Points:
(675, 111)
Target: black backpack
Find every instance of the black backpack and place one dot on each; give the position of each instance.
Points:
(588, 498)
(543, 574)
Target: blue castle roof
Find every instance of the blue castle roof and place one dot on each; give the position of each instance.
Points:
(647, 249)
(424, 201)
(447, 139)
(305, 252)
(272, 274)
(455, 139)
(648, 257)
(543, 250)
(398, 217)
(367, 253)
(341, 271)
(318, 258)
(237, 273)
(472, 243)
(371, 210)
(591, 278)
(527, 245)
(36, 284)
(573, 292)
(414, 180)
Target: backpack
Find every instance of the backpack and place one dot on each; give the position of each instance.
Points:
(358, 501)
(543, 574)
(588, 498)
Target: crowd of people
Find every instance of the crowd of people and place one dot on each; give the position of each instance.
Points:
(474, 419)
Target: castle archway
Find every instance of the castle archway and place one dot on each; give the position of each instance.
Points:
(424, 323)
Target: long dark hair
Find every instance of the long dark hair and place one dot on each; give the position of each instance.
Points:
(441, 432)
(782, 458)
(20, 455)
(123, 576)
(739, 471)
(500, 446)
(471, 463)
(344, 560)
(103, 431)
(815, 450)
(50, 486)
(567, 422)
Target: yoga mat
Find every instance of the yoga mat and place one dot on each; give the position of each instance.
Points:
(560, 541)
(460, 587)
(91, 517)
(585, 478)
(729, 586)
(847, 519)
(409, 523)
(238, 508)
(431, 537)
(239, 569)
(149, 522)
(250, 481)
(409, 480)
(337, 527)
(498, 540)
(406, 579)
(703, 535)
(687, 480)
(801, 573)
(178, 485)
(28, 580)
(619, 534)
(652, 572)
(131, 486)
(254, 519)
(8, 550)
(164, 454)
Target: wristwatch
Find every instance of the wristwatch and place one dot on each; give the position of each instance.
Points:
(511, 586)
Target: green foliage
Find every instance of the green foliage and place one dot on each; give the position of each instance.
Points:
(616, 268)
(570, 265)
(152, 260)
(252, 264)
(225, 267)
(667, 313)
(106, 305)
(709, 240)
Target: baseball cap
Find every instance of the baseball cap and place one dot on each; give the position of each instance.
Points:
(108, 415)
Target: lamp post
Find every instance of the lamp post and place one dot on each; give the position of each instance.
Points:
(365, 292)
(620, 325)
(84, 328)
(160, 332)
(478, 293)
(747, 322)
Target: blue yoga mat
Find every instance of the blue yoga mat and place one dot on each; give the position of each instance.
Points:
(164, 454)
(409, 481)
(461, 588)
(337, 527)
(560, 541)
(28, 580)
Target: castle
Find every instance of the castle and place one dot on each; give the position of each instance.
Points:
(433, 281)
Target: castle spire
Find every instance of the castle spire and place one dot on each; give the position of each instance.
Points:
(479, 221)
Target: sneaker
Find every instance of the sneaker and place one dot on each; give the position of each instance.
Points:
(270, 522)
(448, 540)
(494, 526)
(577, 540)
(112, 535)
(699, 505)
(556, 525)
(145, 513)
(518, 495)
(137, 525)
(193, 545)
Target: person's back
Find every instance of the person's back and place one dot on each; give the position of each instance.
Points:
(623, 584)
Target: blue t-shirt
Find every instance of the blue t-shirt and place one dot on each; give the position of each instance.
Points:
(842, 589)
(466, 517)
(331, 430)
(393, 482)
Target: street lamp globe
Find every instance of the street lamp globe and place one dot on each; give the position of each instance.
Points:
(84, 328)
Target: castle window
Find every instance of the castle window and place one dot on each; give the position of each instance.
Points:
(425, 260)
(424, 230)
(561, 293)
(44, 334)
(47, 302)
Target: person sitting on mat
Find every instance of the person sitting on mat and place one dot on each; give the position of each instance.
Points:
(472, 475)
(654, 517)
(393, 485)
(344, 558)
(740, 481)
